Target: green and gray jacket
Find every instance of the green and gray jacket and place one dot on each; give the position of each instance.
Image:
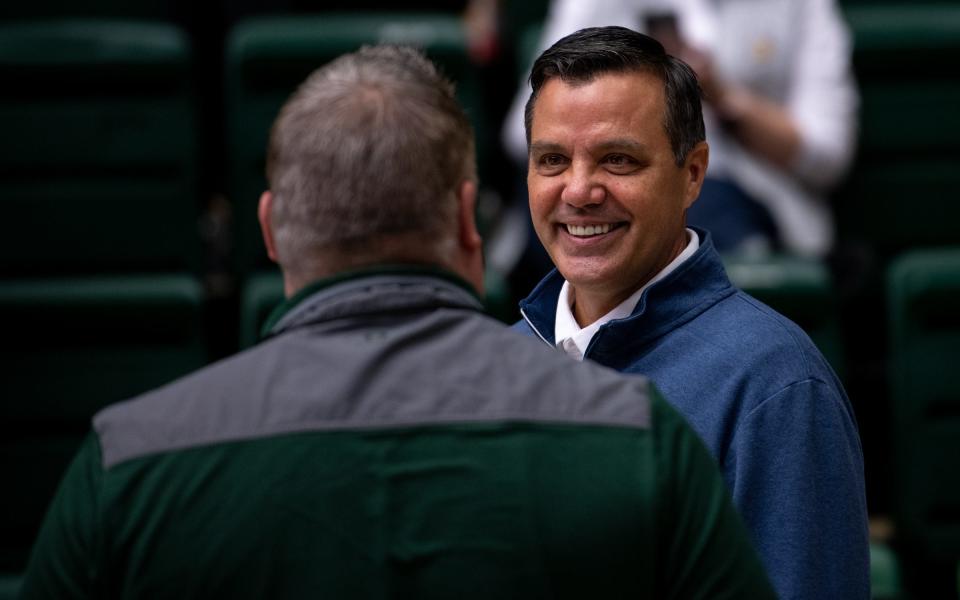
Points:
(388, 440)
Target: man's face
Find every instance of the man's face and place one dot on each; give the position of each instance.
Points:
(607, 198)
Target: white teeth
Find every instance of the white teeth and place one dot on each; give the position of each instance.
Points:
(587, 230)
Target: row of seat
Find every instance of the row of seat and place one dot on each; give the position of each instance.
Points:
(107, 148)
(104, 115)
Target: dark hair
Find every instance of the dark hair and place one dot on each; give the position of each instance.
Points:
(372, 144)
(582, 56)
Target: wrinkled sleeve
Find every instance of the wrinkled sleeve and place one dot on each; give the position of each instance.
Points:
(823, 98)
(797, 471)
(64, 557)
(703, 545)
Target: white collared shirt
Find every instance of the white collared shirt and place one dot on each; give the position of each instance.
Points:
(573, 339)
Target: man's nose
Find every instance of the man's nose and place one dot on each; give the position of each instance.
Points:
(582, 189)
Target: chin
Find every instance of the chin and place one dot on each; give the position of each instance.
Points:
(585, 277)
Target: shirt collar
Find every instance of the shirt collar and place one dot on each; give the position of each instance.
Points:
(289, 306)
(573, 339)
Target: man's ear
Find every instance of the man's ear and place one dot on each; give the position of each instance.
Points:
(469, 242)
(264, 215)
(696, 168)
(469, 235)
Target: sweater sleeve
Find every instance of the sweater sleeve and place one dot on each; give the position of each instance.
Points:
(703, 546)
(797, 469)
(64, 557)
(823, 99)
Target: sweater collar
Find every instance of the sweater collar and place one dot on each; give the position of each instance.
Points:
(376, 289)
(691, 288)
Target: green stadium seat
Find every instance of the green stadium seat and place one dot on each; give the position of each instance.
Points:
(10, 586)
(58, 9)
(268, 57)
(99, 167)
(262, 293)
(885, 578)
(901, 192)
(923, 290)
(800, 289)
(69, 348)
(520, 17)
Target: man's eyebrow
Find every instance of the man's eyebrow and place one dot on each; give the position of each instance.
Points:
(616, 144)
(541, 147)
(623, 144)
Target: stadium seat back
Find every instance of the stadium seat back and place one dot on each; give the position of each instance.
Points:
(923, 289)
(904, 59)
(99, 166)
(71, 347)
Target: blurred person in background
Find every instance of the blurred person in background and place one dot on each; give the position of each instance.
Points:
(387, 439)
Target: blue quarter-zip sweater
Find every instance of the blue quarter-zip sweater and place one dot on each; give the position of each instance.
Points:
(765, 402)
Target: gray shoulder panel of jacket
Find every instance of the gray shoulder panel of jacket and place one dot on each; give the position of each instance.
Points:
(447, 365)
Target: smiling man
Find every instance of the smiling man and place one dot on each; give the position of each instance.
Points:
(617, 154)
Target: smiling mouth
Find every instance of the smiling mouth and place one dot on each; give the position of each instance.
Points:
(584, 231)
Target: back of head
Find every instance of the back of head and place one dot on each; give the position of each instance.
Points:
(589, 53)
(365, 158)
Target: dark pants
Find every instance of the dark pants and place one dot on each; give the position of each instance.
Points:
(736, 221)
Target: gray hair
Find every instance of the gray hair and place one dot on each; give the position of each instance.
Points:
(370, 149)
(589, 53)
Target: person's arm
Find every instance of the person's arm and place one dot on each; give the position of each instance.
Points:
(703, 547)
(764, 127)
(797, 468)
(65, 555)
(811, 134)
(823, 99)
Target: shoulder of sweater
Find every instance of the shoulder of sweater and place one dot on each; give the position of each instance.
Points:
(760, 335)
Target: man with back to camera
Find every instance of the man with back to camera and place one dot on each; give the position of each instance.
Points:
(616, 156)
(388, 440)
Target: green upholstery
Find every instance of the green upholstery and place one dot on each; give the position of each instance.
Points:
(9, 586)
(923, 288)
(261, 293)
(527, 50)
(905, 58)
(268, 57)
(800, 289)
(885, 578)
(70, 347)
(519, 17)
(98, 167)
(53, 9)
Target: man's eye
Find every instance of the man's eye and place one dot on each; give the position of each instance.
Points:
(618, 160)
(551, 160)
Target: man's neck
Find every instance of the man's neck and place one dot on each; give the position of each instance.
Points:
(588, 308)
(589, 305)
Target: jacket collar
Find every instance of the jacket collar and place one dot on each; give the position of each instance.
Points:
(385, 288)
(698, 283)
